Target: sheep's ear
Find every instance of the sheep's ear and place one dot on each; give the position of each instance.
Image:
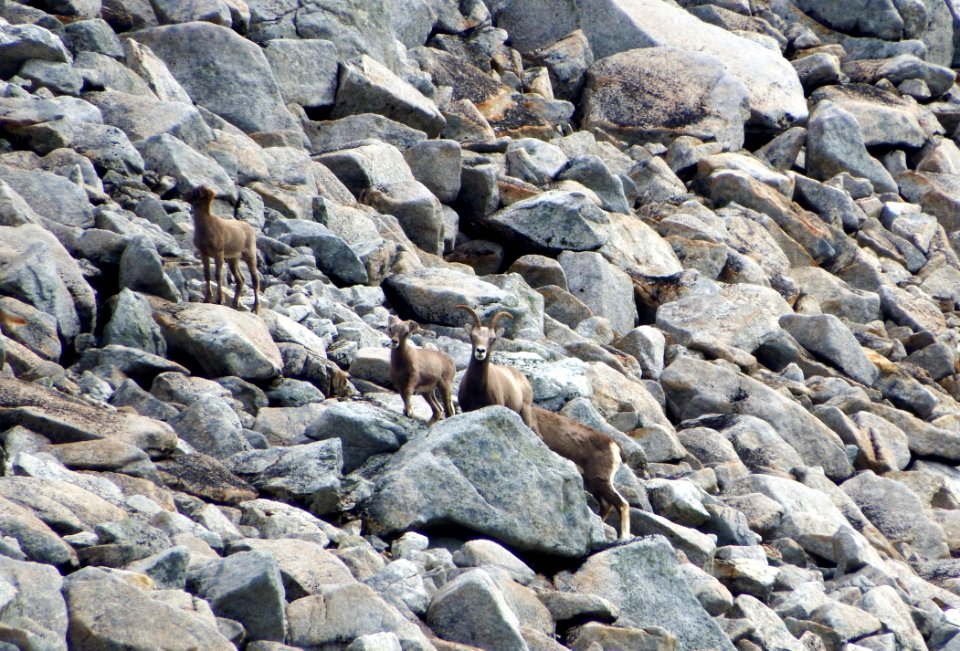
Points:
(499, 332)
(468, 327)
(415, 327)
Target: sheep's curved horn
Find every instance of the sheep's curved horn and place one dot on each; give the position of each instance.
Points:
(497, 317)
(469, 310)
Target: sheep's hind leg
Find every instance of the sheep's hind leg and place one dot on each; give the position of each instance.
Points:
(446, 392)
(251, 259)
(431, 398)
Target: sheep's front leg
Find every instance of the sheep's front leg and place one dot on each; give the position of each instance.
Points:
(407, 395)
(218, 268)
(207, 293)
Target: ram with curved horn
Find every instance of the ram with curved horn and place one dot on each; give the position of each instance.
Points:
(484, 384)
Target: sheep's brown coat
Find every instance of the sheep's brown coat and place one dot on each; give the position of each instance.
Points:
(485, 384)
(597, 456)
(224, 239)
(417, 370)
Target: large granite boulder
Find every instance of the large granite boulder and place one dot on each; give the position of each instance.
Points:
(530, 499)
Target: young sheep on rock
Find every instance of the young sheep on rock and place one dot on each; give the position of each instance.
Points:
(417, 370)
(597, 456)
(224, 239)
(484, 384)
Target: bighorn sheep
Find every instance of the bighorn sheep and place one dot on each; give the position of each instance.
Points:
(416, 370)
(484, 384)
(8, 320)
(224, 239)
(597, 456)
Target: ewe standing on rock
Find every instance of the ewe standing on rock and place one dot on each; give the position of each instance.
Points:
(596, 455)
(421, 371)
(486, 384)
(224, 239)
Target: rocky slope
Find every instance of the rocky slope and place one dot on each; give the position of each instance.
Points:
(727, 231)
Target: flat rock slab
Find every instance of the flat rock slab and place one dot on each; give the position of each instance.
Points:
(204, 477)
(218, 340)
(742, 316)
(530, 499)
(67, 420)
(644, 581)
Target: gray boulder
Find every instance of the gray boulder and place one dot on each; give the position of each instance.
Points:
(444, 477)
(106, 146)
(604, 288)
(334, 256)
(378, 172)
(212, 427)
(363, 430)
(221, 340)
(245, 587)
(25, 42)
(644, 581)
(36, 609)
(774, 92)
(660, 93)
(305, 566)
(107, 611)
(878, 18)
(132, 325)
(141, 270)
(288, 59)
(885, 118)
(743, 316)
(835, 144)
(436, 164)
(50, 195)
(32, 277)
(594, 174)
(309, 473)
(368, 86)
(553, 222)
(210, 62)
(341, 614)
(431, 295)
(92, 35)
(695, 388)
(634, 246)
(169, 156)
(64, 419)
(826, 337)
(471, 610)
(142, 117)
(898, 513)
